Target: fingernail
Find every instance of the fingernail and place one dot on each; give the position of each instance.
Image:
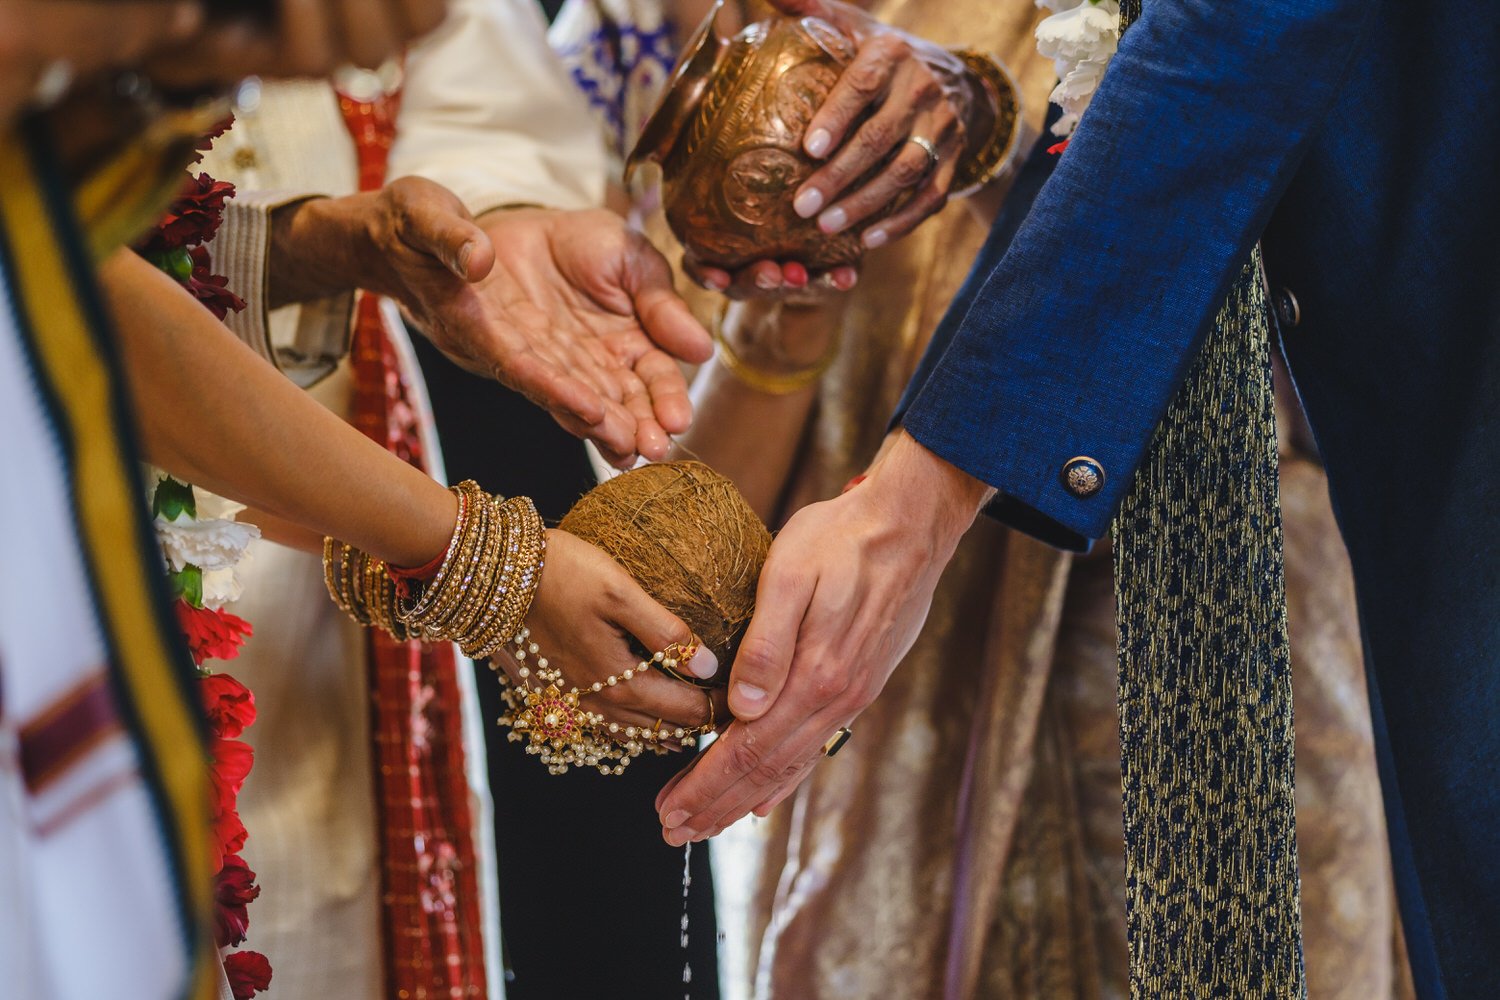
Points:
(704, 663)
(833, 220)
(461, 266)
(748, 695)
(876, 238)
(807, 203)
(766, 281)
(675, 818)
(817, 144)
(682, 835)
(716, 282)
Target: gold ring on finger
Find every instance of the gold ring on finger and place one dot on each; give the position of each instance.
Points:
(836, 741)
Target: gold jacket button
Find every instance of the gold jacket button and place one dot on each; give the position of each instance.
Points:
(1083, 477)
(1288, 310)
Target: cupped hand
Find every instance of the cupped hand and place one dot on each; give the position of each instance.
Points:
(573, 310)
(841, 599)
(587, 615)
(911, 88)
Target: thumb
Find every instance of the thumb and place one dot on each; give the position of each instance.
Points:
(765, 655)
(435, 222)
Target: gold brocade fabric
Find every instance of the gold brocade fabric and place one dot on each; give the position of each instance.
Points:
(968, 842)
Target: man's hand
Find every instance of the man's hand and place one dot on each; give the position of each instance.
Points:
(572, 309)
(842, 597)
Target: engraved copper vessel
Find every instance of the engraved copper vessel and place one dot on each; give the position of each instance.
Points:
(728, 137)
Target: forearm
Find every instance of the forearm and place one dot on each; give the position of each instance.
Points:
(321, 247)
(212, 412)
(750, 435)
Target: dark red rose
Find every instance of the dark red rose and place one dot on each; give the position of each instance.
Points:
(211, 634)
(228, 705)
(249, 973)
(209, 288)
(193, 218)
(234, 890)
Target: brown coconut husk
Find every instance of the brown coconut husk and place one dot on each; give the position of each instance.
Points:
(689, 538)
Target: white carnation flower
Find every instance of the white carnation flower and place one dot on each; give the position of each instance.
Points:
(221, 587)
(210, 544)
(211, 505)
(1074, 92)
(1088, 31)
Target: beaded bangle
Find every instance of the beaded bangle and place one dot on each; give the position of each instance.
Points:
(480, 593)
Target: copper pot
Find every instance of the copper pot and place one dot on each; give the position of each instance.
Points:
(728, 137)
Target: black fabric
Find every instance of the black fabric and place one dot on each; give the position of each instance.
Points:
(590, 894)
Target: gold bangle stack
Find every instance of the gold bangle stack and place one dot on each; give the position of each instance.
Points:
(982, 164)
(481, 592)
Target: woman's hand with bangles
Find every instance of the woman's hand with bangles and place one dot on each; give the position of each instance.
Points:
(591, 621)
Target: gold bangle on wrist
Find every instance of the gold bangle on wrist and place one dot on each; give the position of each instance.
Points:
(480, 593)
(768, 382)
(983, 163)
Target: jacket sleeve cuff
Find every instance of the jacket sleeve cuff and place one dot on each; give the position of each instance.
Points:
(305, 340)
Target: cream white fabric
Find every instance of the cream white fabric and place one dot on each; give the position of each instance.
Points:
(86, 896)
(486, 110)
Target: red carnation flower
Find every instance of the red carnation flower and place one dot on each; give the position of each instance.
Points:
(216, 635)
(234, 890)
(229, 764)
(207, 142)
(249, 973)
(229, 834)
(193, 218)
(211, 289)
(228, 705)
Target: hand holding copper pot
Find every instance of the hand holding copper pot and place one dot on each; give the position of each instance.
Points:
(807, 140)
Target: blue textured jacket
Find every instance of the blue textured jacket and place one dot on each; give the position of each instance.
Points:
(1361, 140)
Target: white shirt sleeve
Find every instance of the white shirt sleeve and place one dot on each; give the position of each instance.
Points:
(489, 112)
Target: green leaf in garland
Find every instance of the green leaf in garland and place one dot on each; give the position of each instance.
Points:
(177, 263)
(188, 585)
(173, 499)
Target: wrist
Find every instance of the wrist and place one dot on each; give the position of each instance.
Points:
(321, 247)
(763, 333)
(930, 491)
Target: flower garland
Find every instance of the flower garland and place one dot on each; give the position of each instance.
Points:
(1080, 37)
(201, 544)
